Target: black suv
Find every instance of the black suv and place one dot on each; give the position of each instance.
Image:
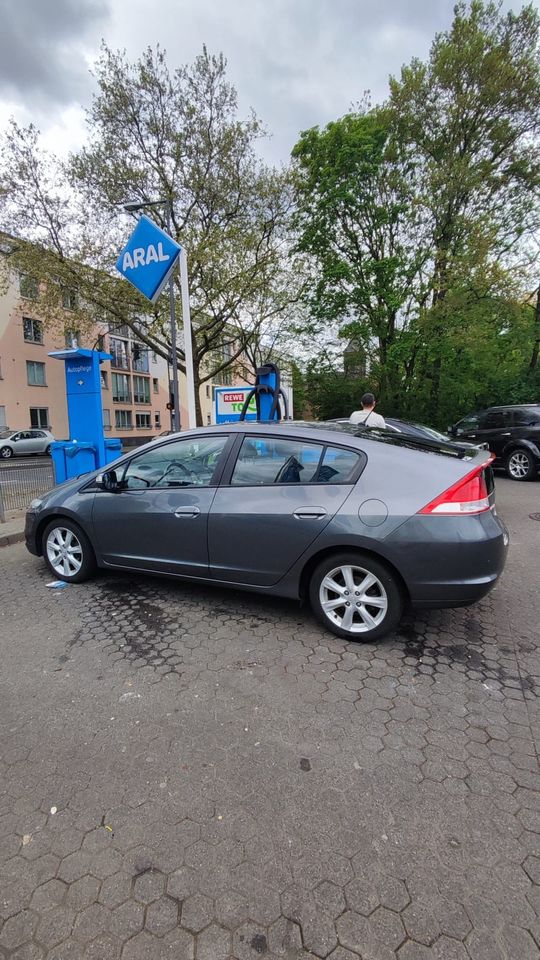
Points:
(512, 433)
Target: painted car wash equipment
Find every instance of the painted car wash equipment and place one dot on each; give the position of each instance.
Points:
(268, 395)
(87, 449)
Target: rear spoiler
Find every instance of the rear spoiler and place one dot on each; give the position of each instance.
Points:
(450, 449)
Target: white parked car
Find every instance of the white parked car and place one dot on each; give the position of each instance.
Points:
(25, 443)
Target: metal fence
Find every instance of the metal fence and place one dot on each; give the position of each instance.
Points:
(22, 482)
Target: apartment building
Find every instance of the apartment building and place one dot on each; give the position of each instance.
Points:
(135, 383)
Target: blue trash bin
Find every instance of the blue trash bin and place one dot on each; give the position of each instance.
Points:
(80, 458)
(58, 454)
(113, 449)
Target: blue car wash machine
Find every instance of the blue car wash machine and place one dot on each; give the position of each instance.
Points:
(87, 449)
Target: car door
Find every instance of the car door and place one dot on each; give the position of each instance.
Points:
(158, 519)
(467, 429)
(36, 442)
(23, 443)
(276, 496)
(494, 430)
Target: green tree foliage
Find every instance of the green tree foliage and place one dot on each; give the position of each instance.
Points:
(418, 216)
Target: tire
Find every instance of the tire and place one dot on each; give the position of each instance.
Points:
(385, 611)
(520, 464)
(63, 532)
(48, 451)
(6, 453)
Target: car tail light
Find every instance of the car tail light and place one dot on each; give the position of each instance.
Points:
(468, 496)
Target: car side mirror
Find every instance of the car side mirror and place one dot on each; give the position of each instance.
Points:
(108, 481)
(451, 431)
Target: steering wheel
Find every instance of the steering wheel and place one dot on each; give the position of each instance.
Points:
(192, 477)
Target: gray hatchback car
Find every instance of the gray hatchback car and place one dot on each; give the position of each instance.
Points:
(360, 524)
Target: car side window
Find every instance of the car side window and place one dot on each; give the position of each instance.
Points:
(182, 463)
(263, 461)
(468, 424)
(494, 420)
(525, 418)
(338, 466)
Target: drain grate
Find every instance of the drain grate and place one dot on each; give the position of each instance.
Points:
(534, 516)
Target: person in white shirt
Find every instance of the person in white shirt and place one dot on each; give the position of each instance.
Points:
(366, 416)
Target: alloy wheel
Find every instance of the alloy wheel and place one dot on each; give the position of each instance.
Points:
(518, 465)
(353, 598)
(64, 551)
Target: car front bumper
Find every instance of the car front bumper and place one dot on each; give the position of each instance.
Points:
(30, 530)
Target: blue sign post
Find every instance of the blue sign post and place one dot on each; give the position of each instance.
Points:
(148, 258)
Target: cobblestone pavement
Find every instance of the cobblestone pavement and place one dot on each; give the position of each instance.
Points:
(192, 773)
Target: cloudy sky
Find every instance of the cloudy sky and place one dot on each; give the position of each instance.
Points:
(296, 62)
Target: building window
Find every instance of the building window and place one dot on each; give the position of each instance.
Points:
(155, 384)
(141, 390)
(69, 298)
(154, 356)
(72, 338)
(118, 348)
(103, 379)
(143, 421)
(139, 356)
(3, 422)
(208, 419)
(123, 420)
(28, 287)
(100, 342)
(35, 373)
(107, 419)
(33, 330)
(120, 388)
(157, 420)
(207, 391)
(39, 417)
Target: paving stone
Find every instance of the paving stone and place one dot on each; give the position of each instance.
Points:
(55, 926)
(91, 923)
(161, 916)
(18, 930)
(149, 886)
(115, 890)
(82, 893)
(197, 912)
(214, 943)
(126, 920)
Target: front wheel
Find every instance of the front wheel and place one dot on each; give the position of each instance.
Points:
(68, 552)
(356, 597)
(520, 465)
(6, 453)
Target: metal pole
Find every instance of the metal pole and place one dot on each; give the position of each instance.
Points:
(175, 418)
(188, 346)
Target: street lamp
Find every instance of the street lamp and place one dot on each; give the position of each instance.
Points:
(134, 207)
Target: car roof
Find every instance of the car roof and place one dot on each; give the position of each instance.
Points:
(331, 432)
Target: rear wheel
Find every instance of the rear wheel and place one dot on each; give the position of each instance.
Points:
(520, 465)
(48, 451)
(6, 453)
(356, 597)
(68, 552)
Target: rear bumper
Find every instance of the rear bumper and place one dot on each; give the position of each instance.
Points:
(450, 561)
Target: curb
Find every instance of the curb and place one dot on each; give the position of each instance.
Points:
(10, 538)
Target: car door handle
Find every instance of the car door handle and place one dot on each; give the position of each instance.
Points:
(309, 513)
(186, 513)
(505, 434)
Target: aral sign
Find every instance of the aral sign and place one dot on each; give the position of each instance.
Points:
(229, 402)
(148, 258)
